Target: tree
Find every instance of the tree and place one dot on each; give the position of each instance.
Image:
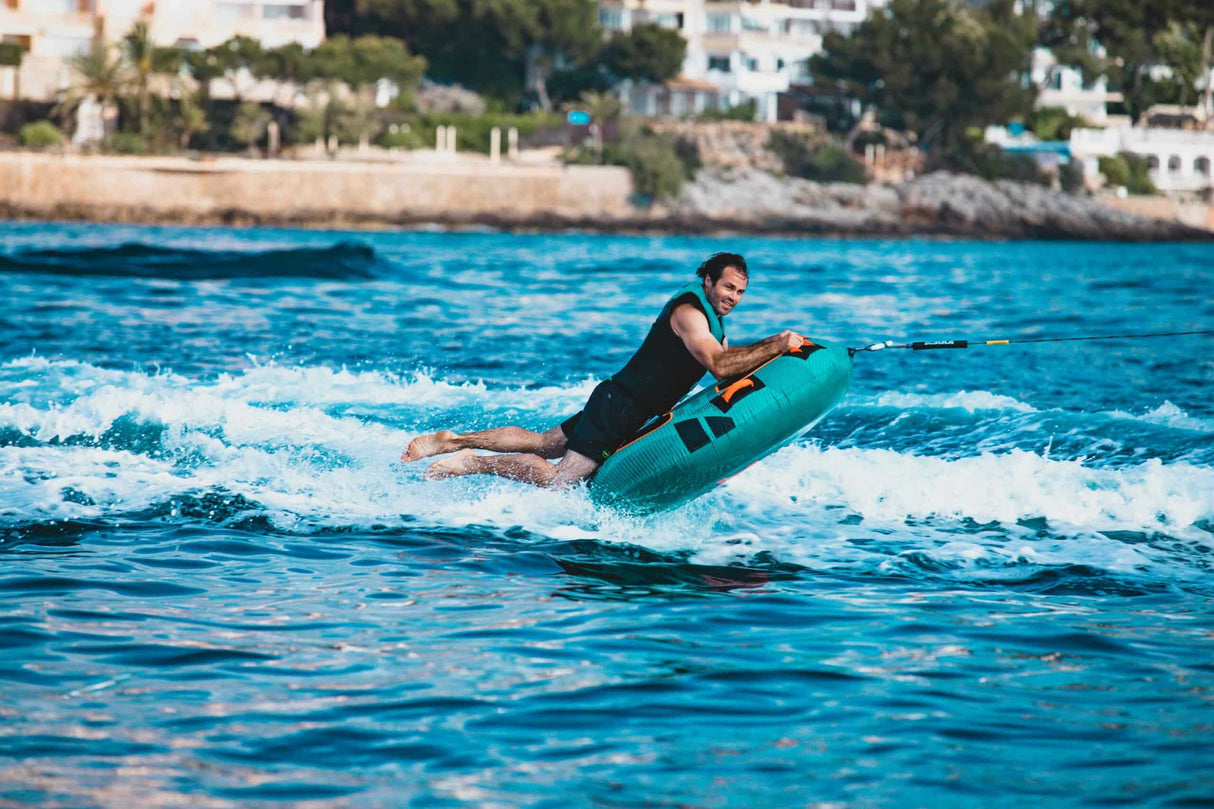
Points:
(648, 53)
(363, 61)
(100, 73)
(1138, 38)
(234, 61)
(146, 58)
(518, 43)
(191, 118)
(645, 53)
(935, 67)
(286, 65)
(359, 63)
(249, 125)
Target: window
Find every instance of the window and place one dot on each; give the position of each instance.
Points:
(1202, 166)
(720, 63)
(64, 47)
(285, 12)
(1152, 162)
(779, 64)
(720, 22)
(233, 11)
(612, 18)
(751, 63)
(678, 20)
(1174, 163)
(667, 20)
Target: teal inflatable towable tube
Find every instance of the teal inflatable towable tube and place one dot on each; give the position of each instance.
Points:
(724, 428)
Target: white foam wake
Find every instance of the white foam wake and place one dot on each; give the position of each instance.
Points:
(889, 488)
(285, 440)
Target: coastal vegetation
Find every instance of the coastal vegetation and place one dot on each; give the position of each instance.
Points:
(824, 163)
(927, 74)
(529, 53)
(1129, 171)
(40, 135)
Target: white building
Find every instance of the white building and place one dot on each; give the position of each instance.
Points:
(1180, 161)
(1065, 88)
(51, 31)
(747, 50)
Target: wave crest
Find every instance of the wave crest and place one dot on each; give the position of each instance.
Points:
(342, 261)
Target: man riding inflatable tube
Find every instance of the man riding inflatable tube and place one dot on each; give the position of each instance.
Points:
(686, 340)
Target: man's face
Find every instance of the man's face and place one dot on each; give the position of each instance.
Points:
(725, 293)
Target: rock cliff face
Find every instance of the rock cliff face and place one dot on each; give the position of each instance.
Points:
(737, 144)
(934, 204)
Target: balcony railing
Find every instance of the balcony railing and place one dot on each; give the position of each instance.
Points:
(819, 5)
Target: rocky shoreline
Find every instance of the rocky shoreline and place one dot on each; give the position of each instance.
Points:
(735, 200)
(938, 204)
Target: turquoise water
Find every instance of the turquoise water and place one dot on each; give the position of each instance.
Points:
(984, 580)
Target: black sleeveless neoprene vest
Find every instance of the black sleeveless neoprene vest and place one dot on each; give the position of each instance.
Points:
(662, 370)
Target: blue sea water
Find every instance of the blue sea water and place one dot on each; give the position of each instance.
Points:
(984, 580)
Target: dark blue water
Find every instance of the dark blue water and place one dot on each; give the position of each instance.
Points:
(984, 580)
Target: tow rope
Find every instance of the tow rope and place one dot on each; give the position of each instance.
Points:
(930, 345)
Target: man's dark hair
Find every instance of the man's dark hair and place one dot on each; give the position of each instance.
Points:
(714, 267)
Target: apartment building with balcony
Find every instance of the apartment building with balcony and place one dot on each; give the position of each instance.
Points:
(747, 50)
(1065, 87)
(49, 32)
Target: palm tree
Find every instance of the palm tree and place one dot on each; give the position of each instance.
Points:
(100, 74)
(147, 58)
(139, 51)
(191, 114)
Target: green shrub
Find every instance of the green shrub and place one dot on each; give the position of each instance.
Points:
(828, 163)
(688, 152)
(1129, 170)
(1116, 170)
(989, 162)
(657, 172)
(793, 150)
(401, 136)
(1054, 123)
(40, 135)
(833, 164)
(745, 111)
(249, 125)
(122, 143)
(1140, 174)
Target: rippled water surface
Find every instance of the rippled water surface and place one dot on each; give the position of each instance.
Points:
(984, 580)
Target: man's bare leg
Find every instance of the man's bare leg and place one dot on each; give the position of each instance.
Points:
(525, 467)
(501, 439)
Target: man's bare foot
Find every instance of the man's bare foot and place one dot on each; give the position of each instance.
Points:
(426, 445)
(461, 463)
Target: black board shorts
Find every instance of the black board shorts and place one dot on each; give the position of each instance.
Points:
(609, 420)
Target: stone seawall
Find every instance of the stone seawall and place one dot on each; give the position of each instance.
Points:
(287, 192)
(475, 192)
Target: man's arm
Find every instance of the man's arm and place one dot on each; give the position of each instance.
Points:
(690, 324)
